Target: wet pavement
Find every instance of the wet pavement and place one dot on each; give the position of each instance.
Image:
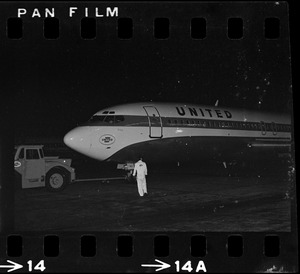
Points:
(187, 202)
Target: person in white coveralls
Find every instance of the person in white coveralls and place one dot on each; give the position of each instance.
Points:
(140, 170)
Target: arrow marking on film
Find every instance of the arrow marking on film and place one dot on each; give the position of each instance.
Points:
(13, 266)
(160, 266)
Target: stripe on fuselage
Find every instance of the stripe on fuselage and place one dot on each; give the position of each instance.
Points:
(142, 121)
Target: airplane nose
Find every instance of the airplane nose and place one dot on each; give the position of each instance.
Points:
(79, 139)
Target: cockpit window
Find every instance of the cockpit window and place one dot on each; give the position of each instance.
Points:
(119, 118)
(98, 118)
(110, 119)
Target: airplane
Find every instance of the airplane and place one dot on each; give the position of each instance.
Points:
(162, 132)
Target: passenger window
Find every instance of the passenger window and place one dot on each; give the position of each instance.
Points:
(274, 128)
(32, 154)
(278, 127)
(263, 128)
(284, 128)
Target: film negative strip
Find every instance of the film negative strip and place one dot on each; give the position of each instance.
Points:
(147, 137)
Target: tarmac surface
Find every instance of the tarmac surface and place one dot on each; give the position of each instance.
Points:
(180, 202)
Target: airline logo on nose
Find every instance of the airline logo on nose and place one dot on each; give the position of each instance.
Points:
(107, 139)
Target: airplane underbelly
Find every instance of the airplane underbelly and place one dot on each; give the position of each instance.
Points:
(199, 149)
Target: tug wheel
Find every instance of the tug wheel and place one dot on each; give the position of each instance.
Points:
(56, 180)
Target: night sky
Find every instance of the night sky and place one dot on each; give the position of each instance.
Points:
(56, 84)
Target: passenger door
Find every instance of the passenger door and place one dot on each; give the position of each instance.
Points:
(155, 123)
(34, 169)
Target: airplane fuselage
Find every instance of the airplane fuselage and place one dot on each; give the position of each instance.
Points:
(177, 132)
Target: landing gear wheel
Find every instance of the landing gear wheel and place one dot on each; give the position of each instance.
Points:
(56, 180)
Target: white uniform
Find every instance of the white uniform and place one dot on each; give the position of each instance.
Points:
(140, 168)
